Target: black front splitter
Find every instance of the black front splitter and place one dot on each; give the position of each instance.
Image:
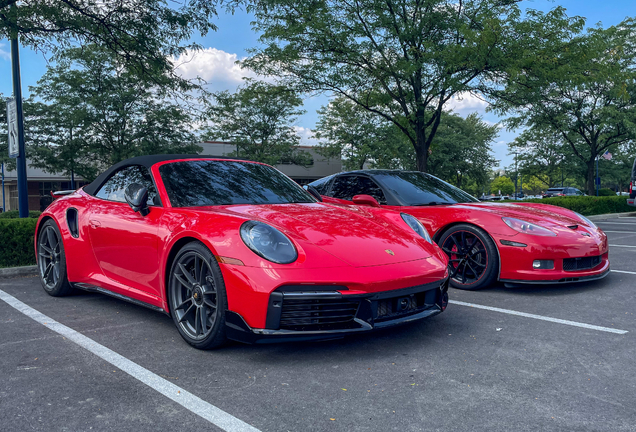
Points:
(238, 330)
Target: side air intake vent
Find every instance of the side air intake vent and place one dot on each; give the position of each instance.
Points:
(71, 220)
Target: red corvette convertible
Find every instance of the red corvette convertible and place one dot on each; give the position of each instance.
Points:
(235, 249)
(514, 243)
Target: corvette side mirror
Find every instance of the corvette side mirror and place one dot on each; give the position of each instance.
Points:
(137, 198)
(365, 200)
(313, 191)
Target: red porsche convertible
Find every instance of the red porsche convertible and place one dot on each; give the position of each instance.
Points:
(235, 249)
(514, 243)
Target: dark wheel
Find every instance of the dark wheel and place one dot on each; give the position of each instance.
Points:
(196, 295)
(52, 261)
(473, 257)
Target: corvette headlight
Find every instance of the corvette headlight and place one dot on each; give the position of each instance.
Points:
(586, 220)
(527, 227)
(267, 242)
(416, 226)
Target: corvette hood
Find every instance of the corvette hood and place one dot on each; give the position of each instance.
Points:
(355, 235)
(540, 214)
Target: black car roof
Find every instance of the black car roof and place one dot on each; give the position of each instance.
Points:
(146, 161)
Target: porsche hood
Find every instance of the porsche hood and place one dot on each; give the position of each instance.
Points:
(357, 236)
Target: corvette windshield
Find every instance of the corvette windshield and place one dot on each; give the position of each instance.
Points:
(216, 182)
(416, 188)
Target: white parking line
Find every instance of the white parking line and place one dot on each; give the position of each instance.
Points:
(540, 317)
(623, 271)
(620, 232)
(616, 223)
(622, 246)
(184, 398)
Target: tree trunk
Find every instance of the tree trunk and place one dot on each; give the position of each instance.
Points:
(591, 177)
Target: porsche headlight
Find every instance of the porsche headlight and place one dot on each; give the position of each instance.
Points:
(267, 242)
(586, 220)
(416, 226)
(527, 227)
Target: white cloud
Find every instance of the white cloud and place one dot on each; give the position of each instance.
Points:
(466, 102)
(4, 54)
(217, 67)
(306, 136)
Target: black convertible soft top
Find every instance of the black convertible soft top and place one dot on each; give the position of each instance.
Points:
(146, 161)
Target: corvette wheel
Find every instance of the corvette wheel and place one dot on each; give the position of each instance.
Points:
(473, 257)
(52, 261)
(197, 297)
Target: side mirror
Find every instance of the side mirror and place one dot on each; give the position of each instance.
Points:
(365, 200)
(137, 198)
(313, 191)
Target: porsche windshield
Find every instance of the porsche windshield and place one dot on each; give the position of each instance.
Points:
(216, 182)
(416, 188)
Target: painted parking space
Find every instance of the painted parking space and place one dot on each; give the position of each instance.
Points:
(476, 366)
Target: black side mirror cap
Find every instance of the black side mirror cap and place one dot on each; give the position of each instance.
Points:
(137, 198)
(313, 191)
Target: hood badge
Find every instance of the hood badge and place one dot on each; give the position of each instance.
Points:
(389, 251)
(586, 234)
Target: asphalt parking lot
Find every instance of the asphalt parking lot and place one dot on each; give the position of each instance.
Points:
(467, 369)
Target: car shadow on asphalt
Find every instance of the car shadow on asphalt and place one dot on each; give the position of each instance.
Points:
(550, 290)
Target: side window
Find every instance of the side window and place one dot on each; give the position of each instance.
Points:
(113, 189)
(345, 187)
(369, 187)
(322, 185)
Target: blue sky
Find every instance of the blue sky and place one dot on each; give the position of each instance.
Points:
(235, 36)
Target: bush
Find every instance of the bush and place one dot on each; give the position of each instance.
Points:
(16, 242)
(606, 192)
(588, 205)
(14, 214)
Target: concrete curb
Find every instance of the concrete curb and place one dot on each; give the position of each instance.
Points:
(611, 216)
(11, 272)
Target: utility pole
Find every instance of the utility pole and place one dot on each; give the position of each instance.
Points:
(597, 180)
(23, 191)
(516, 175)
(4, 205)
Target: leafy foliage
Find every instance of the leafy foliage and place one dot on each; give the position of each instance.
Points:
(15, 214)
(503, 184)
(16, 238)
(143, 34)
(400, 59)
(347, 130)
(258, 118)
(95, 112)
(577, 86)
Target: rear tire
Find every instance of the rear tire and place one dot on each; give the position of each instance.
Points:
(52, 261)
(474, 260)
(197, 298)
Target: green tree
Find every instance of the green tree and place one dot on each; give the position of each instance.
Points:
(400, 59)
(359, 136)
(541, 153)
(578, 85)
(94, 112)
(503, 184)
(461, 152)
(259, 119)
(144, 34)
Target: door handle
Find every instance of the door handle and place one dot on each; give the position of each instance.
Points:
(94, 223)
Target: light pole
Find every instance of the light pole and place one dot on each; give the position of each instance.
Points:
(23, 192)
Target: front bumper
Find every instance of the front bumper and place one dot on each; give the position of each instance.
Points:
(586, 247)
(327, 314)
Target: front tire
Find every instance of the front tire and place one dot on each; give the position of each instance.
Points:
(52, 261)
(197, 298)
(473, 257)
